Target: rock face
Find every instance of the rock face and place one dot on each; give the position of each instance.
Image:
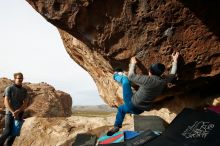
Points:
(48, 102)
(101, 35)
(45, 101)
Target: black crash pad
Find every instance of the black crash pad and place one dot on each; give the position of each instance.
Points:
(143, 123)
(191, 128)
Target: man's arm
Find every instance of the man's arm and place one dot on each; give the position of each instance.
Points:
(8, 104)
(7, 101)
(174, 64)
(173, 70)
(132, 64)
(137, 79)
(24, 105)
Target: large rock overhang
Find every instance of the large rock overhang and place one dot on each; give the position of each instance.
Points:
(101, 35)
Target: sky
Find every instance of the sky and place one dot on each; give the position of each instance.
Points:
(31, 45)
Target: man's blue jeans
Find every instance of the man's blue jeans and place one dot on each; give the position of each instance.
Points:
(127, 107)
(6, 135)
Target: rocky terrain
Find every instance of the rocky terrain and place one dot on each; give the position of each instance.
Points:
(53, 126)
(94, 108)
(101, 35)
(62, 131)
(49, 120)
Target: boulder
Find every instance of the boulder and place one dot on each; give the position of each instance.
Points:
(102, 35)
(62, 131)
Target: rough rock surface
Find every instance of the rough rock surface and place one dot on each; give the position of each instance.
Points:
(45, 101)
(62, 131)
(101, 35)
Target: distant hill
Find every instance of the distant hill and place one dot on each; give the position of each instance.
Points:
(93, 108)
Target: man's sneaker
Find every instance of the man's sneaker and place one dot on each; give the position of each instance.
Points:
(113, 131)
(121, 73)
(118, 70)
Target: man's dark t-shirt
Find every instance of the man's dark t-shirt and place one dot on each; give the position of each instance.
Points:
(16, 96)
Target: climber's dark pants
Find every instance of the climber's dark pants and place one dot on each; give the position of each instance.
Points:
(127, 107)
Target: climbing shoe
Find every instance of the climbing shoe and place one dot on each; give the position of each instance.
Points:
(113, 131)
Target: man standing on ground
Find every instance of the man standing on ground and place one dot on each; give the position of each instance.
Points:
(150, 86)
(15, 100)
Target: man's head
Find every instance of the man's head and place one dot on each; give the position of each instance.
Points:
(18, 77)
(157, 69)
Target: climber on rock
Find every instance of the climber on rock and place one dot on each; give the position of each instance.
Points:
(150, 86)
